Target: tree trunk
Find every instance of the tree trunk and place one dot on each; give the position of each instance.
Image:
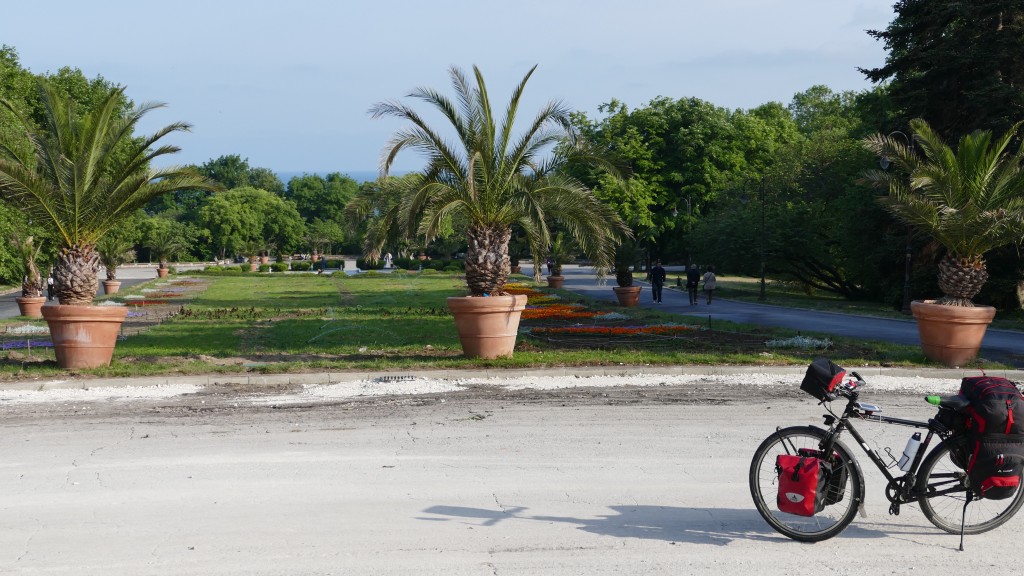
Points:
(487, 262)
(74, 276)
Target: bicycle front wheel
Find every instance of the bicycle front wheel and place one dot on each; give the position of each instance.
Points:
(943, 484)
(845, 495)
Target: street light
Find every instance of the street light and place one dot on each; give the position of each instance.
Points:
(762, 296)
(905, 306)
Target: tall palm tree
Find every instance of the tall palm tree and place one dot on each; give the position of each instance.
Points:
(970, 200)
(86, 172)
(489, 180)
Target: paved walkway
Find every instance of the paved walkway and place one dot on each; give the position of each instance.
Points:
(1002, 345)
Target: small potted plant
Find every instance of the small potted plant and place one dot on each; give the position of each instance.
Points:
(561, 251)
(115, 248)
(164, 244)
(626, 292)
(969, 202)
(31, 301)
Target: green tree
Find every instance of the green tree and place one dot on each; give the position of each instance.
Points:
(88, 173)
(319, 197)
(958, 65)
(252, 220)
(232, 171)
(494, 180)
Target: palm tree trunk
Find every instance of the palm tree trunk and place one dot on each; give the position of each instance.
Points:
(74, 276)
(487, 262)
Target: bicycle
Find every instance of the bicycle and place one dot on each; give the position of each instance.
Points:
(937, 481)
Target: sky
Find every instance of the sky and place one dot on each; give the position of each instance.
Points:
(287, 84)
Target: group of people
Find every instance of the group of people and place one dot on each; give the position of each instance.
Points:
(693, 280)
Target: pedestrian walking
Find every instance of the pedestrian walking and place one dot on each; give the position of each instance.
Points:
(692, 281)
(657, 281)
(709, 282)
(49, 286)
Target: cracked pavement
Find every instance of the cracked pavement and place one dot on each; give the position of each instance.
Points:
(610, 480)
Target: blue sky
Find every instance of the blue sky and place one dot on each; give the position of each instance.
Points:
(288, 84)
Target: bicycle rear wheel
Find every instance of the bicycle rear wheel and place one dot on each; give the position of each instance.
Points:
(764, 486)
(944, 484)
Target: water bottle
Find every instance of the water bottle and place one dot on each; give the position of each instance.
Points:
(910, 451)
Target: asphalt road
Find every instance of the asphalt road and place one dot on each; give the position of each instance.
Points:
(1002, 345)
(613, 482)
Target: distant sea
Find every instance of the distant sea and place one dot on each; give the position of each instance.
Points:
(357, 175)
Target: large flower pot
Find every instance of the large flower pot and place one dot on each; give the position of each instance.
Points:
(556, 281)
(487, 325)
(84, 336)
(951, 335)
(30, 306)
(111, 286)
(627, 295)
(162, 272)
(515, 269)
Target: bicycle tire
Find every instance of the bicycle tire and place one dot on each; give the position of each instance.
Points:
(764, 486)
(939, 472)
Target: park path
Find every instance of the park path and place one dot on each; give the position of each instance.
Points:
(1002, 345)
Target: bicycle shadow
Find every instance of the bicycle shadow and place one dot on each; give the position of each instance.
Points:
(716, 526)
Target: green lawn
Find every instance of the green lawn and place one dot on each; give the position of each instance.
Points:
(306, 322)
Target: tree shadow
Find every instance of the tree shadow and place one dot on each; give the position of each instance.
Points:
(717, 526)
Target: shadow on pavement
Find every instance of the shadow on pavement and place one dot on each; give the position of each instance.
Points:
(718, 526)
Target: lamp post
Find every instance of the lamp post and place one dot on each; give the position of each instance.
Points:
(905, 306)
(762, 296)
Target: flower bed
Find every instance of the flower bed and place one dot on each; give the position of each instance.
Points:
(558, 312)
(658, 329)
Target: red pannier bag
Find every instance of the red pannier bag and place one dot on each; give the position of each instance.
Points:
(803, 484)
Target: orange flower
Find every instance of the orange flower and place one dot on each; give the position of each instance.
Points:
(660, 330)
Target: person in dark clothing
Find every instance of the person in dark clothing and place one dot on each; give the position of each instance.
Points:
(657, 280)
(692, 280)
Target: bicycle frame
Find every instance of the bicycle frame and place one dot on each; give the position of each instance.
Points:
(900, 489)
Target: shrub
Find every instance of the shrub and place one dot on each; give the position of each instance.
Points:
(264, 268)
(339, 264)
(302, 265)
(406, 263)
(364, 264)
(279, 266)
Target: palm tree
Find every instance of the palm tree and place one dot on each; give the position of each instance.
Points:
(85, 174)
(115, 250)
(489, 180)
(165, 243)
(970, 200)
(28, 250)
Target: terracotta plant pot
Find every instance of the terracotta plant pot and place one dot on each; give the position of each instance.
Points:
(264, 259)
(253, 266)
(30, 306)
(556, 281)
(84, 336)
(627, 295)
(111, 286)
(487, 325)
(951, 335)
(516, 269)
(162, 272)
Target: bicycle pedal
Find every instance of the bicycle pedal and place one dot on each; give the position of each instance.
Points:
(894, 509)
